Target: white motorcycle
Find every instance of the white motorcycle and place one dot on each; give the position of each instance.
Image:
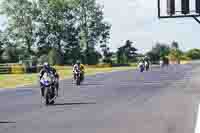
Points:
(141, 66)
(48, 81)
(162, 63)
(146, 64)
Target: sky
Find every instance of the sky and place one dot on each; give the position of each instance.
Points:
(137, 21)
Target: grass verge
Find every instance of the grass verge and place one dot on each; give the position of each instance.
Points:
(14, 80)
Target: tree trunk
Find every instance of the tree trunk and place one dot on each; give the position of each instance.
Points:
(28, 43)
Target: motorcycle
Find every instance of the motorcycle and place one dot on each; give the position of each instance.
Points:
(79, 77)
(162, 64)
(141, 67)
(146, 66)
(48, 80)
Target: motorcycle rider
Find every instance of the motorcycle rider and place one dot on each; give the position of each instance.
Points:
(78, 66)
(141, 63)
(48, 69)
(146, 62)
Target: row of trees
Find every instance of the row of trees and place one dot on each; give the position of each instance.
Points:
(124, 55)
(173, 52)
(60, 31)
(194, 54)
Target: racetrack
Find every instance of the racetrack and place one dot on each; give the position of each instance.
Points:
(158, 101)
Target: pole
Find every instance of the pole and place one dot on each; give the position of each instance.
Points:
(158, 8)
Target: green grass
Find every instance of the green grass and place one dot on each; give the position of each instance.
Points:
(14, 80)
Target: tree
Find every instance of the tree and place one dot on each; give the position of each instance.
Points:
(10, 54)
(175, 55)
(20, 21)
(8, 51)
(71, 27)
(107, 54)
(56, 28)
(158, 51)
(126, 53)
(154, 57)
(55, 24)
(94, 57)
(175, 45)
(130, 51)
(1, 45)
(194, 54)
(93, 28)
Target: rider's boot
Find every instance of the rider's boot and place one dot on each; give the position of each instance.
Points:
(74, 76)
(57, 92)
(42, 91)
(57, 88)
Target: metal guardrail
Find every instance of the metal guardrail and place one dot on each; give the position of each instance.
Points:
(4, 69)
(19, 69)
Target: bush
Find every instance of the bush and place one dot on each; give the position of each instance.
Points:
(175, 55)
(10, 55)
(184, 57)
(194, 54)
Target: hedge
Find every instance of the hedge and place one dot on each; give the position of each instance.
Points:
(120, 65)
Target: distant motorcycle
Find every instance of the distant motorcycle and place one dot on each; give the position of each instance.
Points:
(141, 67)
(162, 64)
(78, 77)
(146, 66)
(49, 81)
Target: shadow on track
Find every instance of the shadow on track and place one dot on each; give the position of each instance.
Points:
(7, 122)
(90, 84)
(78, 103)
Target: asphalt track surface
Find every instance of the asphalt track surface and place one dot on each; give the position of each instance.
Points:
(158, 101)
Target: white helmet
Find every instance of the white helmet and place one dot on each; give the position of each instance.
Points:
(46, 65)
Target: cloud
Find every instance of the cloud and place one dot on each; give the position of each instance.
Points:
(137, 20)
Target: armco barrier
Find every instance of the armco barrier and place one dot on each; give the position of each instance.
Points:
(98, 66)
(20, 69)
(17, 69)
(184, 62)
(62, 67)
(5, 69)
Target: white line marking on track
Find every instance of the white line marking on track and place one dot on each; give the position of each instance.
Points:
(197, 128)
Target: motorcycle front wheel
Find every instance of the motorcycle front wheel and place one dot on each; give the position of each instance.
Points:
(47, 96)
(141, 69)
(78, 80)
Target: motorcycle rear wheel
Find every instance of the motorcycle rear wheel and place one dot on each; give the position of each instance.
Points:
(47, 98)
(78, 81)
